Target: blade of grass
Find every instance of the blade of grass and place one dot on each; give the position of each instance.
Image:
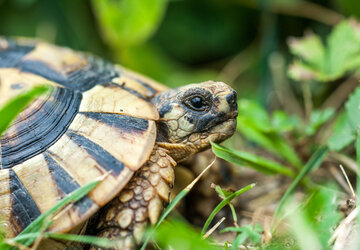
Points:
(222, 195)
(311, 165)
(211, 230)
(222, 204)
(172, 204)
(17, 104)
(258, 163)
(94, 240)
(357, 148)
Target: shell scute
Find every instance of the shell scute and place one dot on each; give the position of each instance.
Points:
(98, 121)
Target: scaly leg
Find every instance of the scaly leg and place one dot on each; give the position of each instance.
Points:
(140, 202)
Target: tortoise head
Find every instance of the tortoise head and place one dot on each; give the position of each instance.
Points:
(193, 115)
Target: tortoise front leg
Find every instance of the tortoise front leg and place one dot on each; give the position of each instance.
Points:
(125, 218)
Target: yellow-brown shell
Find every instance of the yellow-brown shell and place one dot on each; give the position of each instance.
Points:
(97, 120)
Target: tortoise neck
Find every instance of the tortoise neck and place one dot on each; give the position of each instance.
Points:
(177, 151)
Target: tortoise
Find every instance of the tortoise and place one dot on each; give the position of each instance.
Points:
(98, 120)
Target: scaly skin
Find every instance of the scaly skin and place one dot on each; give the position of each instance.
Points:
(126, 217)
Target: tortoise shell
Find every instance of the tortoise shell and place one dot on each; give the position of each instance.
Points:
(98, 120)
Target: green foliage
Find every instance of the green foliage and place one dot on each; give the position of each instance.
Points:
(312, 222)
(347, 124)
(255, 124)
(322, 211)
(258, 163)
(223, 204)
(181, 236)
(349, 7)
(253, 233)
(317, 119)
(128, 22)
(16, 105)
(343, 133)
(353, 110)
(223, 193)
(326, 63)
(313, 163)
(282, 122)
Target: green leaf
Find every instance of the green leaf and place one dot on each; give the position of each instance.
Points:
(223, 194)
(357, 149)
(311, 49)
(128, 22)
(322, 213)
(343, 48)
(239, 240)
(343, 133)
(304, 233)
(283, 123)
(254, 123)
(302, 72)
(246, 232)
(341, 54)
(255, 114)
(256, 162)
(317, 119)
(223, 204)
(179, 235)
(353, 109)
(311, 219)
(16, 105)
(347, 125)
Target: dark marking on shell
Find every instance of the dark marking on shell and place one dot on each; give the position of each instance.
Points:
(96, 71)
(24, 209)
(126, 124)
(12, 55)
(98, 153)
(124, 87)
(66, 184)
(147, 86)
(38, 128)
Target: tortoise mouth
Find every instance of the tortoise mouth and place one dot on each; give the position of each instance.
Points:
(222, 131)
(217, 133)
(226, 124)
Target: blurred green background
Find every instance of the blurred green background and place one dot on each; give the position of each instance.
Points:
(241, 42)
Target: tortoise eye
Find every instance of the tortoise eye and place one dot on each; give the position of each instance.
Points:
(197, 103)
